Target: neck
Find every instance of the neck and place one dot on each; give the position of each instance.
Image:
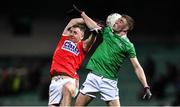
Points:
(121, 34)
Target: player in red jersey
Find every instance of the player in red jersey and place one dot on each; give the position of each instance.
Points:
(67, 58)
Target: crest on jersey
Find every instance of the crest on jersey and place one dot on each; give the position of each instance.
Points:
(71, 47)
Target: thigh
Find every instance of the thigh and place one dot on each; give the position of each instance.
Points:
(72, 86)
(91, 86)
(109, 90)
(55, 92)
(56, 88)
(83, 100)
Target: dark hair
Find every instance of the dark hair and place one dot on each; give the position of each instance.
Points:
(130, 21)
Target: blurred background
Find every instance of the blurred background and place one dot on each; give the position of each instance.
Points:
(30, 30)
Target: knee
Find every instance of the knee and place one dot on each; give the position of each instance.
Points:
(113, 103)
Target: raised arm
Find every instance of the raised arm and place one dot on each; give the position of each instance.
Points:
(71, 23)
(94, 27)
(91, 24)
(141, 76)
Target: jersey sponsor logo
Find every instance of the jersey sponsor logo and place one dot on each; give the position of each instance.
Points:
(71, 47)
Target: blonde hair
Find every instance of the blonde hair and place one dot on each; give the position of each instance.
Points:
(130, 21)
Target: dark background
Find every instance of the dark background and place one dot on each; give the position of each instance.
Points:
(151, 16)
(30, 31)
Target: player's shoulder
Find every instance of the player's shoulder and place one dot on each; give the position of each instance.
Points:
(127, 42)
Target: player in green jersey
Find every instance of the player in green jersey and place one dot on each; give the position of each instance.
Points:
(107, 59)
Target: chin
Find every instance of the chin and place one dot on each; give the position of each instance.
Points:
(116, 29)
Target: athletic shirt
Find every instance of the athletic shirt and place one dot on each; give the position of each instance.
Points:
(110, 54)
(67, 57)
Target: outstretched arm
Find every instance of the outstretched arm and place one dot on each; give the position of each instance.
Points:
(139, 71)
(91, 24)
(140, 74)
(94, 27)
(71, 23)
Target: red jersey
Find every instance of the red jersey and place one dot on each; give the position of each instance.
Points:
(67, 57)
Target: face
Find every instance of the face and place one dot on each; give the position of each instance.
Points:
(75, 34)
(120, 25)
(124, 31)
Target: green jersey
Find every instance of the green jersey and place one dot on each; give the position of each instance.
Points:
(110, 54)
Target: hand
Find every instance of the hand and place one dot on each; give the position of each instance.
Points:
(96, 31)
(147, 95)
(74, 11)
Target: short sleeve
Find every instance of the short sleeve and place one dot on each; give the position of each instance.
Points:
(131, 52)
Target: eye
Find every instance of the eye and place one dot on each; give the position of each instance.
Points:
(125, 31)
(75, 32)
(70, 31)
(121, 21)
